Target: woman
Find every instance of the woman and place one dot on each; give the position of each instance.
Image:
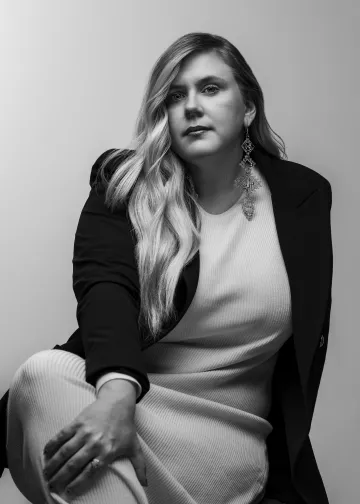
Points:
(234, 350)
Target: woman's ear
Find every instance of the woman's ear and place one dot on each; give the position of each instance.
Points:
(250, 114)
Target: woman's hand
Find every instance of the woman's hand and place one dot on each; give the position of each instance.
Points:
(105, 430)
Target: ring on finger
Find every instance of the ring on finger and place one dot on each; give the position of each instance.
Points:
(96, 464)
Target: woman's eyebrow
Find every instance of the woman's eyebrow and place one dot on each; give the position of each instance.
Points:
(200, 82)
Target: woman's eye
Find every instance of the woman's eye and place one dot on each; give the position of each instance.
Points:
(211, 86)
(171, 97)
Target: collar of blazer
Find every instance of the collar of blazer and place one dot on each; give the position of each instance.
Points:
(301, 205)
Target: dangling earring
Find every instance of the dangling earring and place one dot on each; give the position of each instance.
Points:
(249, 183)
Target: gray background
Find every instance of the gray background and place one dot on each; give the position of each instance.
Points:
(73, 73)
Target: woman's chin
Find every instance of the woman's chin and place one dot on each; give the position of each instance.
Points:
(202, 149)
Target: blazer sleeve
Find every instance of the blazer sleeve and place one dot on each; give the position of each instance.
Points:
(106, 287)
(318, 362)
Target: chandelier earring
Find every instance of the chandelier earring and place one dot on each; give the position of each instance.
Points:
(248, 182)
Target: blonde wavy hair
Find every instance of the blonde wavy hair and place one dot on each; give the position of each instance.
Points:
(162, 206)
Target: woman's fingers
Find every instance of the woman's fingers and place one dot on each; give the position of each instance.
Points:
(80, 483)
(105, 430)
(57, 441)
(75, 468)
(62, 455)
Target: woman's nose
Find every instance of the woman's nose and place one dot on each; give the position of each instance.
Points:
(192, 101)
(192, 107)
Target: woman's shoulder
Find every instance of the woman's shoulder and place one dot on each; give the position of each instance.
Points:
(304, 172)
(117, 156)
(96, 201)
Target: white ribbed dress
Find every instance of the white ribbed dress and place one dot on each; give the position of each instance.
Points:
(203, 421)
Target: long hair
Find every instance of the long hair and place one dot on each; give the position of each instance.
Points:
(162, 205)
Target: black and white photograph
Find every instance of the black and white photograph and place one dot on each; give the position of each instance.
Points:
(180, 248)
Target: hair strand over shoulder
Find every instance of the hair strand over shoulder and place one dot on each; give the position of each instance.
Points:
(162, 206)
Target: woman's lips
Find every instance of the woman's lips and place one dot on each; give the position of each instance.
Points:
(197, 133)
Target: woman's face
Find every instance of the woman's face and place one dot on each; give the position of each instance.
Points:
(216, 103)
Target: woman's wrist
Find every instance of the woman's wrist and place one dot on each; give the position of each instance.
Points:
(118, 389)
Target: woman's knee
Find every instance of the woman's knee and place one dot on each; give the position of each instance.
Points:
(42, 366)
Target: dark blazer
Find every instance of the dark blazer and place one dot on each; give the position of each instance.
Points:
(106, 286)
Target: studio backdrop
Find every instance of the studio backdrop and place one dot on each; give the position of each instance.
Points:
(73, 74)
